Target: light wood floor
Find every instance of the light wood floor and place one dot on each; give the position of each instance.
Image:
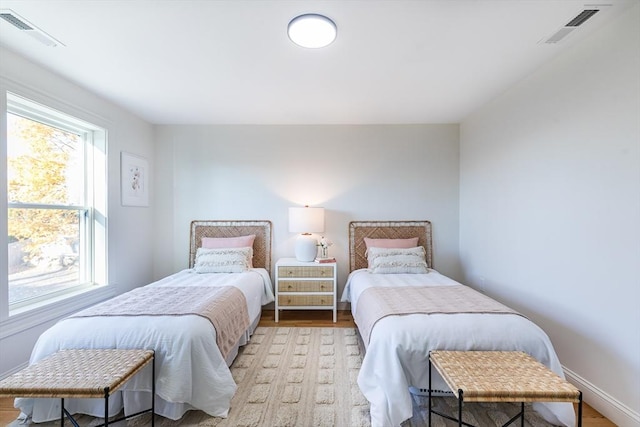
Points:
(296, 319)
(309, 318)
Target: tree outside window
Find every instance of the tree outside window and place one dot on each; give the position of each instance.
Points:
(51, 223)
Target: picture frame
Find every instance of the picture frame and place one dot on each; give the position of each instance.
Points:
(134, 180)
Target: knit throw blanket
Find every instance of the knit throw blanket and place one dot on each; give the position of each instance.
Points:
(225, 307)
(378, 302)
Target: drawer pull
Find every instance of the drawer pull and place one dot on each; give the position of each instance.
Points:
(289, 287)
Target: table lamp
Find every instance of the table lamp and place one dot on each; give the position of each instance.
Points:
(306, 220)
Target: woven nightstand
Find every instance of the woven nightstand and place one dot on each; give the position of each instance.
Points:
(81, 373)
(306, 286)
(499, 376)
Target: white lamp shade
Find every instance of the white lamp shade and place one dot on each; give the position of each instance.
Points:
(306, 220)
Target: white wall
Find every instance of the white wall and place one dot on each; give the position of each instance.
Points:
(383, 172)
(550, 209)
(544, 201)
(130, 228)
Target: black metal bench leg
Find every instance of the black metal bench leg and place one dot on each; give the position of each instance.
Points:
(106, 407)
(521, 414)
(64, 412)
(460, 399)
(580, 410)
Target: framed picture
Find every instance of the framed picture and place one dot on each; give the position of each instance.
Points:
(134, 180)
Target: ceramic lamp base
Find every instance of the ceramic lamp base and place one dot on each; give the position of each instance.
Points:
(306, 248)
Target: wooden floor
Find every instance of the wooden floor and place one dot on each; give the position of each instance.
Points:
(318, 318)
(309, 318)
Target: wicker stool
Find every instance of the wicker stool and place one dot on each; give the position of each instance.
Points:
(95, 373)
(499, 376)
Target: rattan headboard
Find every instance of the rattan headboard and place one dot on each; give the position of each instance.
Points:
(358, 230)
(261, 245)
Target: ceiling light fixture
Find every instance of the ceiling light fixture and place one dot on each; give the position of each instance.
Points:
(312, 30)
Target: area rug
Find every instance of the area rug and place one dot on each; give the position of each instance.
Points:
(289, 377)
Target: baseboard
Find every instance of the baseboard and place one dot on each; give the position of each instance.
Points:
(617, 412)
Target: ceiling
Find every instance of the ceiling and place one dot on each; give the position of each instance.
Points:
(231, 62)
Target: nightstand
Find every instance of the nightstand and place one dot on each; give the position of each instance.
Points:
(306, 286)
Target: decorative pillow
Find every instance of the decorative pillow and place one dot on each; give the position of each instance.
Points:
(397, 260)
(223, 260)
(411, 242)
(228, 242)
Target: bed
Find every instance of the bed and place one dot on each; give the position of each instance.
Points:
(397, 339)
(177, 321)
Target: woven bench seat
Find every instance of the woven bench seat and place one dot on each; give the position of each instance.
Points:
(500, 376)
(80, 373)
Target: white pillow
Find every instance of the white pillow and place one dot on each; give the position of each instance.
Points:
(397, 260)
(223, 260)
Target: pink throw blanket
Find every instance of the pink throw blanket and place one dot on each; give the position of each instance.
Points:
(225, 307)
(378, 302)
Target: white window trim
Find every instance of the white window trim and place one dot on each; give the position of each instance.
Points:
(71, 302)
(62, 307)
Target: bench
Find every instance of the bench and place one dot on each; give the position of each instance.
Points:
(499, 376)
(81, 373)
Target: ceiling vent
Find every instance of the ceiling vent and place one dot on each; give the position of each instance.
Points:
(23, 25)
(582, 17)
(563, 32)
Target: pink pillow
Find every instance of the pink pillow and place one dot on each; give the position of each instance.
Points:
(411, 242)
(228, 242)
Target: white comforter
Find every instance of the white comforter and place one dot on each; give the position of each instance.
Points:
(190, 370)
(397, 354)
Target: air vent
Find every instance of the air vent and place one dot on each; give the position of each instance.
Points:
(23, 25)
(582, 17)
(15, 21)
(563, 32)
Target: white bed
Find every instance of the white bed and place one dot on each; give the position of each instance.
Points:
(396, 358)
(191, 372)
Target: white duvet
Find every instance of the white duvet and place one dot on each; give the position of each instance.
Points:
(397, 354)
(190, 370)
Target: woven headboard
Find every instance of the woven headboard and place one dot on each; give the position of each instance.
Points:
(358, 230)
(261, 245)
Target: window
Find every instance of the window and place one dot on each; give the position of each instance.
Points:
(56, 199)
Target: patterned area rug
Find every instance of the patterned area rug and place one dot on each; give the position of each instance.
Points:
(298, 377)
(307, 377)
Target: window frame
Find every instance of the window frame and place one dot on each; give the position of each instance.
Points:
(34, 106)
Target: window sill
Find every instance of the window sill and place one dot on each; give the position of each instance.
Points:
(28, 319)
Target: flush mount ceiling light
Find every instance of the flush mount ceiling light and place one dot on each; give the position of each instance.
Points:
(312, 30)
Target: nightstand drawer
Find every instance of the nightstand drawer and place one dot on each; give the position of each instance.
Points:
(305, 286)
(311, 271)
(306, 300)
